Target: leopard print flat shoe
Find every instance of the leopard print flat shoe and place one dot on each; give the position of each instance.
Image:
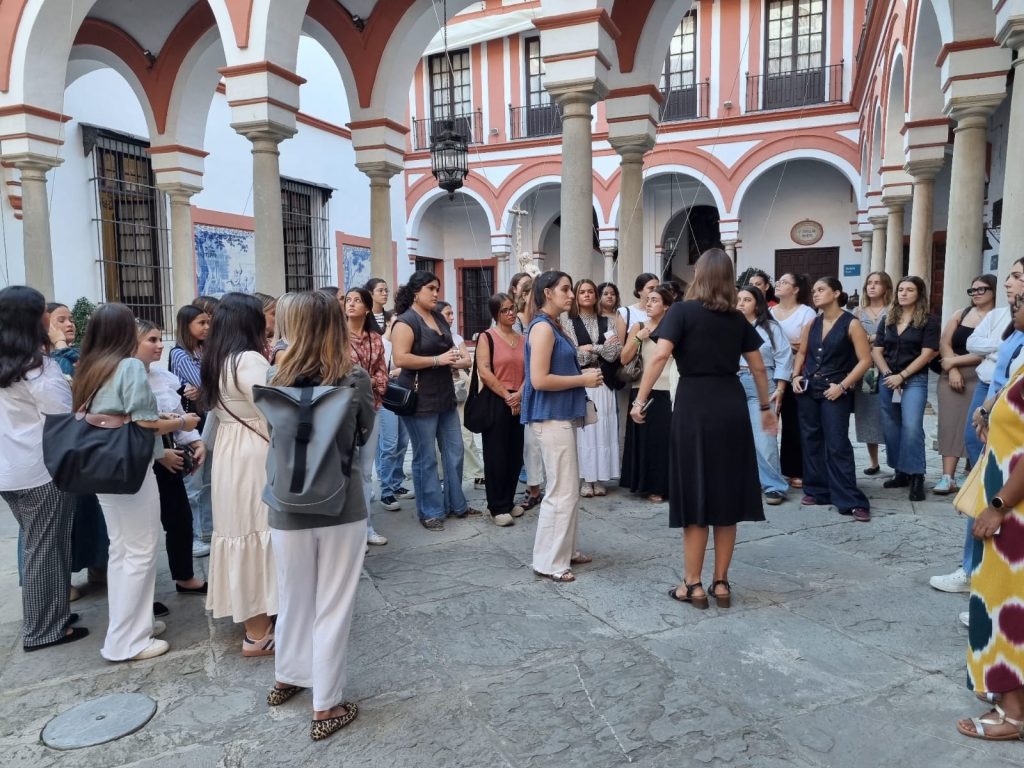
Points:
(321, 729)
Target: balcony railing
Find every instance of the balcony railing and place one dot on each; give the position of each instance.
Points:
(535, 120)
(799, 88)
(470, 127)
(688, 103)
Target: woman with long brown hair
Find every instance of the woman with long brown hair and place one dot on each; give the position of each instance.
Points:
(902, 350)
(875, 296)
(319, 557)
(111, 380)
(713, 475)
(793, 313)
(242, 580)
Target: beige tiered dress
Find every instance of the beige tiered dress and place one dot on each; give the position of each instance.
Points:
(243, 578)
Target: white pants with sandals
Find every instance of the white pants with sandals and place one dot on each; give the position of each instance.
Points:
(318, 573)
(555, 541)
(133, 526)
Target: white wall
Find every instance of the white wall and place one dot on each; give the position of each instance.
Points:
(809, 190)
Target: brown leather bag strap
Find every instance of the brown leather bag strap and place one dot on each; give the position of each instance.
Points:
(245, 424)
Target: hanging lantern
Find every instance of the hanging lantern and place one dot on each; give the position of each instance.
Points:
(449, 159)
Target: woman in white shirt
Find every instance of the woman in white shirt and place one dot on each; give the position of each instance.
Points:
(793, 313)
(32, 385)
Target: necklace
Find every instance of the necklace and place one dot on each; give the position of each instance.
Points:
(513, 342)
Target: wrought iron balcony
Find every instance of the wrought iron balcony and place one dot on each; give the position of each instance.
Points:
(535, 120)
(798, 88)
(470, 127)
(687, 103)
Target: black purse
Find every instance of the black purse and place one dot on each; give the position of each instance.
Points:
(479, 412)
(96, 453)
(401, 400)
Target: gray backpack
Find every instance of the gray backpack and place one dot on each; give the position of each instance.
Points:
(309, 464)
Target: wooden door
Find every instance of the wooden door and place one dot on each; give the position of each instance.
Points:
(813, 262)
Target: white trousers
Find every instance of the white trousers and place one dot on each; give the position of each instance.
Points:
(556, 526)
(365, 456)
(317, 577)
(133, 526)
(532, 459)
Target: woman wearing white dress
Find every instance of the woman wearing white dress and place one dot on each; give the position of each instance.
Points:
(242, 579)
(595, 339)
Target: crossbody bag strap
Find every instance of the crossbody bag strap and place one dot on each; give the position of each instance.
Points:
(244, 423)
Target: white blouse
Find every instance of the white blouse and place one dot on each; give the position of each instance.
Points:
(793, 326)
(23, 408)
(165, 386)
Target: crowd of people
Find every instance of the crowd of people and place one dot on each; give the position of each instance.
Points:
(571, 393)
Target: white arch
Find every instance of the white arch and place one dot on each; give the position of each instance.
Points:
(193, 91)
(84, 59)
(662, 22)
(838, 163)
(522, 193)
(348, 79)
(682, 170)
(415, 218)
(924, 80)
(895, 111)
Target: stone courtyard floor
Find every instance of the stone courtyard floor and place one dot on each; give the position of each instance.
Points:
(835, 653)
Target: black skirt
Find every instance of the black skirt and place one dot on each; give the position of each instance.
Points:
(713, 466)
(645, 460)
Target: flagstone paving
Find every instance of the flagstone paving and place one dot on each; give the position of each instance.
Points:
(835, 653)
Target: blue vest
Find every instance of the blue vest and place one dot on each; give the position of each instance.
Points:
(565, 405)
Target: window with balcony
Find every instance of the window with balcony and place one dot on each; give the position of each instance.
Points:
(685, 98)
(795, 69)
(131, 224)
(451, 93)
(539, 117)
(307, 247)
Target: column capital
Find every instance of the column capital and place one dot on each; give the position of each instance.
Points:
(379, 171)
(32, 162)
(879, 221)
(579, 96)
(263, 131)
(896, 200)
(177, 191)
(264, 97)
(1010, 30)
(972, 111)
(632, 148)
(924, 169)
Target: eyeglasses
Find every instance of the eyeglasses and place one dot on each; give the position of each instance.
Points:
(507, 310)
(978, 291)
(784, 282)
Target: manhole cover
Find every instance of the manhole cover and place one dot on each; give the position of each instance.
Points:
(99, 721)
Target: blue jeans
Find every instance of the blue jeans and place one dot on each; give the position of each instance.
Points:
(767, 446)
(445, 431)
(974, 448)
(903, 425)
(197, 485)
(393, 443)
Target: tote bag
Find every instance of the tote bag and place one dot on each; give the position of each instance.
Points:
(96, 453)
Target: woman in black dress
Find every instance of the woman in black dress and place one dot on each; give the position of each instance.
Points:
(713, 481)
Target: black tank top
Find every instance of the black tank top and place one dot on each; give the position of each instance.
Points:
(961, 334)
(434, 386)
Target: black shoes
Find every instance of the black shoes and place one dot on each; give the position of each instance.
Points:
(899, 480)
(917, 487)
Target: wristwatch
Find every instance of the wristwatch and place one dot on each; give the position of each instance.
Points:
(997, 503)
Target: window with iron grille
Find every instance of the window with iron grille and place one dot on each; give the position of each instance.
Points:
(450, 91)
(131, 225)
(426, 265)
(536, 94)
(477, 286)
(306, 235)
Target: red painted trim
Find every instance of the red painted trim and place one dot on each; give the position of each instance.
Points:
(166, 148)
(10, 22)
(496, 77)
(240, 12)
(577, 18)
(630, 18)
(592, 53)
(923, 124)
(964, 45)
(631, 118)
(213, 218)
(35, 136)
(756, 118)
(637, 90)
(972, 76)
(381, 122)
(515, 63)
(28, 109)
(323, 125)
(262, 100)
(258, 67)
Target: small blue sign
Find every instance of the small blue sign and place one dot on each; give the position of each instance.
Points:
(851, 270)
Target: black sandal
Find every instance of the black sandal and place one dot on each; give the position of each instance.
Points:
(700, 601)
(724, 601)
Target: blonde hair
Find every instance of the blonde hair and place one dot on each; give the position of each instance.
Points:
(886, 281)
(318, 347)
(282, 324)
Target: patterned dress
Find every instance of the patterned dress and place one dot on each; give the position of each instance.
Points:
(995, 653)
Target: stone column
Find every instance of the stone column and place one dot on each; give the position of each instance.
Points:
(966, 201)
(183, 263)
(879, 225)
(922, 226)
(865, 253)
(894, 237)
(631, 207)
(381, 248)
(577, 230)
(35, 210)
(609, 265)
(729, 246)
(1011, 240)
(266, 186)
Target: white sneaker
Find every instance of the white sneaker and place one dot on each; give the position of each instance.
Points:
(957, 581)
(503, 520)
(155, 648)
(965, 618)
(376, 538)
(158, 628)
(586, 490)
(518, 511)
(200, 548)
